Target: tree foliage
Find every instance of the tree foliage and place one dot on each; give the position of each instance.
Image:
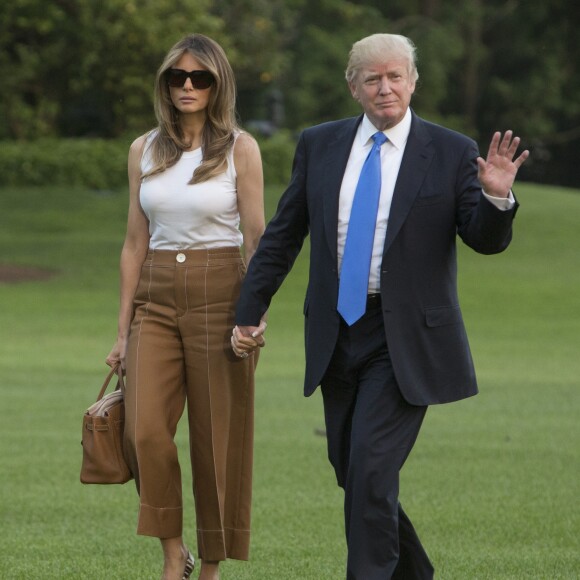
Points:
(86, 68)
(81, 67)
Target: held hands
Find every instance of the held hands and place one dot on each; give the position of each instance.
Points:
(245, 339)
(498, 172)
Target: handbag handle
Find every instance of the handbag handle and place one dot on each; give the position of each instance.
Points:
(120, 384)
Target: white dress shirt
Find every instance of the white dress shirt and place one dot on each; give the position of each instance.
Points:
(391, 157)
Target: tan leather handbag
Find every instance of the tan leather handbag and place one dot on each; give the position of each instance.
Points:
(102, 438)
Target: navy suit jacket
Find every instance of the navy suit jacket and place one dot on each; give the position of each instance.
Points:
(437, 196)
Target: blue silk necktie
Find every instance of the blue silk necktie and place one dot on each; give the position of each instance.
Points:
(358, 249)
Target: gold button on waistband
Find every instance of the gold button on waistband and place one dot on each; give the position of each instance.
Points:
(180, 257)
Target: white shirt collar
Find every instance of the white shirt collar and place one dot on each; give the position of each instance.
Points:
(397, 135)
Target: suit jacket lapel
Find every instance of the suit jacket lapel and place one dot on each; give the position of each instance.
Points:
(416, 160)
(334, 165)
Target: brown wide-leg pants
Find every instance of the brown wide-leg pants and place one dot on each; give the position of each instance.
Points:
(179, 352)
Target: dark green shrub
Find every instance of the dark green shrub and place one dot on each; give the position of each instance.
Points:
(277, 155)
(92, 163)
(102, 163)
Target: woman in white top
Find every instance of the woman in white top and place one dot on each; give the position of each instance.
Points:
(193, 181)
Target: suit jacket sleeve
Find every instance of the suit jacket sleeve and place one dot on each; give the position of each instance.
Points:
(279, 246)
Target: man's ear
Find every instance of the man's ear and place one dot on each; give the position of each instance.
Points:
(353, 91)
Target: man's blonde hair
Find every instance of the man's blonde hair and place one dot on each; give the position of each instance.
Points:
(381, 48)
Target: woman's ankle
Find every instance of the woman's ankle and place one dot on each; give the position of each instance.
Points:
(209, 570)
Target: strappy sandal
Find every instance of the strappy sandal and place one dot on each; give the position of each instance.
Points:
(189, 566)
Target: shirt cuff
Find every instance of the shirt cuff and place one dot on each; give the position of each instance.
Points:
(502, 203)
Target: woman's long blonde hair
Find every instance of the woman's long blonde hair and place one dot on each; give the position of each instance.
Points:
(220, 125)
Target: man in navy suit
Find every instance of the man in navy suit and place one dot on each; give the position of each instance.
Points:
(381, 367)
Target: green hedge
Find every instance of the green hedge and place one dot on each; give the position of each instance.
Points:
(102, 164)
(92, 163)
(277, 155)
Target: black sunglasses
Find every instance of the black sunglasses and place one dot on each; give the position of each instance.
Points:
(200, 79)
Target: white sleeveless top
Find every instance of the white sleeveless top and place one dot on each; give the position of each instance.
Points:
(190, 217)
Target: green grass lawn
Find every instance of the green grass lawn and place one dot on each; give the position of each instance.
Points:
(492, 483)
